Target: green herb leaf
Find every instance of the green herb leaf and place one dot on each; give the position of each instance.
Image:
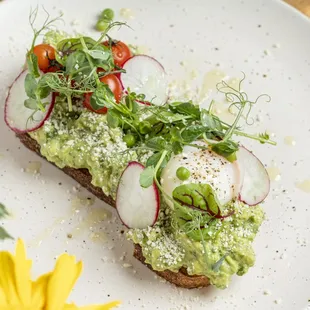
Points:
(176, 134)
(264, 136)
(210, 120)
(4, 234)
(216, 267)
(102, 97)
(177, 147)
(112, 119)
(199, 197)
(226, 149)
(32, 64)
(103, 55)
(68, 46)
(75, 61)
(153, 160)
(187, 108)
(30, 86)
(192, 133)
(169, 117)
(157, 143)
(31, 104)
(43, 89)
(147, 177)
(3, 211)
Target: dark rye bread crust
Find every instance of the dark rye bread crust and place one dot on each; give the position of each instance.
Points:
(82, 176)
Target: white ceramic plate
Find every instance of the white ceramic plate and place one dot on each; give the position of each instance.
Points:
(267, 40)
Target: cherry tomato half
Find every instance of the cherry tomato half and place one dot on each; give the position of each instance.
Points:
(121, 52)
(114, 84)
(46, 57)
(116, 87)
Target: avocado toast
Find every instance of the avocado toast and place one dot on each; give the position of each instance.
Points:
(187, 191)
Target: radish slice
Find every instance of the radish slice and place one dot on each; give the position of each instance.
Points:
(16, 115)
(256, 182)
(145, 75)
(137, 207)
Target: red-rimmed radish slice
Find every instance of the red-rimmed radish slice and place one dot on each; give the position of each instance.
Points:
(16, 115)
(137, 207)
(256, 183)
(145, 75)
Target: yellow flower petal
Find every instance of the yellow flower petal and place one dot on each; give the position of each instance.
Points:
(2, 299)
(102, 307)
(62, 280)
(22, 274)
(7, 278)
(39, 289)
(70, 307)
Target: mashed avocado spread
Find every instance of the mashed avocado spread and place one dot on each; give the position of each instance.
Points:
(228, 243)
(82, 139)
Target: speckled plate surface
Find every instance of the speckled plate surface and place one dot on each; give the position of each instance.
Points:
(267, 40)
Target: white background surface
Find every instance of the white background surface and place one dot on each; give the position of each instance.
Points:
(231, 33)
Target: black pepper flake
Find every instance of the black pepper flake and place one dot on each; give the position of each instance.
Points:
(59, 183)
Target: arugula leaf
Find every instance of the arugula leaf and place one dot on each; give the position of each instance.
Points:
(30, 86)
(191, 133)
(4, 234)
(147, 177)
(187, 108)
(32, 64)
(226, 149)
(31, 104)
(102, 97)
(3, 211)
(112, 119)
(157, 143)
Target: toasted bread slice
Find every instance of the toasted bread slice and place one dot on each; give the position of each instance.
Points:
(82, 176)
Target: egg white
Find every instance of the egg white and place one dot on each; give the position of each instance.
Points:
(206, 167)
